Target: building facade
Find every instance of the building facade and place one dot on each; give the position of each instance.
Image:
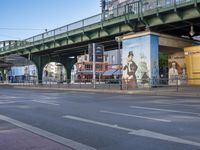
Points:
(83, 69)
(54, 72)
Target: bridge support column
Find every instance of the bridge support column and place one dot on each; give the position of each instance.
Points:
(68, 64)
(140, 60)
(40, 62)
(3, 75)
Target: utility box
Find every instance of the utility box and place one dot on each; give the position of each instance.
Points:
(192, 59)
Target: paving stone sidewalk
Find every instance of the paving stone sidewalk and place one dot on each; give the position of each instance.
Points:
(15, 138)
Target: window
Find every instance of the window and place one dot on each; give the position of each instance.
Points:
(88, 67)
(113, 59)
(106, 58)
(98, 67)
(85, 57)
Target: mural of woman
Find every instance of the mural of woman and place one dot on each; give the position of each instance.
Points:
(129, 71)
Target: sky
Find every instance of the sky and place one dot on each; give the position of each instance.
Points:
(39, 15)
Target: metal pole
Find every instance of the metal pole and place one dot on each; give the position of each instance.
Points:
(94, 65)
(119, 40)
(176, 83)
(120, 79)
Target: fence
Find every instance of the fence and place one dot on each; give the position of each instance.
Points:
(162, 85)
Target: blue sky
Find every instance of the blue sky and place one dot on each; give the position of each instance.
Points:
(41, 14)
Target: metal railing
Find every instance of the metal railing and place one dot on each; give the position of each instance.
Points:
(151, 85)
(136, 8)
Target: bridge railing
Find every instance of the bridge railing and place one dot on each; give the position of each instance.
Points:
(136, 8)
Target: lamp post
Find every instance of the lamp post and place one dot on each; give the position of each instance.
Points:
(119, 40)
(94, 64)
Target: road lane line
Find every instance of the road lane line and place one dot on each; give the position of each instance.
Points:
(142, 132)
(135, 116)
(177, 104)
(97, 123)
(12, 102)
(166, 110)
(45, 102)
(67, 142)
(164, 137)
(9, 97)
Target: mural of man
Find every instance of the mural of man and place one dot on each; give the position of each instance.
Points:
(173, 74)
(130, 68)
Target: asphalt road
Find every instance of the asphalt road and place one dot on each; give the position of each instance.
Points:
(105, 121)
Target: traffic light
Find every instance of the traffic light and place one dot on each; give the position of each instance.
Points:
(99, 52)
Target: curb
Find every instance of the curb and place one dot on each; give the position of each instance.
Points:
(142, 92)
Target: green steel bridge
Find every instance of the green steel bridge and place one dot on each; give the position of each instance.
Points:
(164, 16)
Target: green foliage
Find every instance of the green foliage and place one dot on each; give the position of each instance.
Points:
(163, 59)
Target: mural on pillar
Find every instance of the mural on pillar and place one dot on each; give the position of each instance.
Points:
(177, 68)
(140, 61)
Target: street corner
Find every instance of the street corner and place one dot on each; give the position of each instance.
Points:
(15, 138)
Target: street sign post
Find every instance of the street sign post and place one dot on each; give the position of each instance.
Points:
(94, 65)
(95, 52)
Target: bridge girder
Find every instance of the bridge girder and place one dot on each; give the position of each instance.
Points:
(108, 28)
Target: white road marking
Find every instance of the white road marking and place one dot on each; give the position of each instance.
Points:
(46, 102)
(12, 102)
(24, 107)
(9, 97)
(136, 116)
(96, 123)
(46, 134)
(186, 117)
(175, 103)
(144, 133)
(164, 137)
(166, 110)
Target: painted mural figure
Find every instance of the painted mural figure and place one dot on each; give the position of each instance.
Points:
(173, 74)
(143, 70)
(130, 69)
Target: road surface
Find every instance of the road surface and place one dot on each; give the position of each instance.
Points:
(102, 121)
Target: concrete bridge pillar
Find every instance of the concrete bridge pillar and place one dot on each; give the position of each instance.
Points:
(40, 62)
(140, 60)
(68, 64)
(3, 75)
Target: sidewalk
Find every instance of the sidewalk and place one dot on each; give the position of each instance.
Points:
(15, 138)
(187, 91)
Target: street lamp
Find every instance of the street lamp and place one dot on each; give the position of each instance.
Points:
(118, 39)
(191, 30)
